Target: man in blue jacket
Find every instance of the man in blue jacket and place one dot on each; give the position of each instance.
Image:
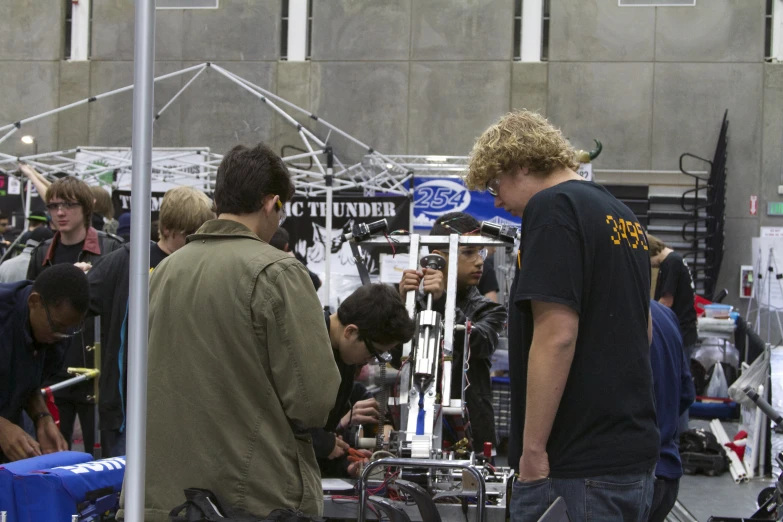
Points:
(674, 393)
(38, 320)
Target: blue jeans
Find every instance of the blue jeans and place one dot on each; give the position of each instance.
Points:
(624, 498)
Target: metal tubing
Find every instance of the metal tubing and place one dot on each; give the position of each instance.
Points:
(328, 244)
(8, 135)
(70, 382)
(96, 450)
(451, 294)
(437, 241)
(410, 299)
(143, 105)
(267, 97)
(97, 97)
(184, 87)
(421, 463)
(302, 156)
(272, 96)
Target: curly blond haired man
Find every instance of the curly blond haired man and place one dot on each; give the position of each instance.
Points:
(583, 423)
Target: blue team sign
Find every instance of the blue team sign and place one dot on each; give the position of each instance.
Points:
(435, 196)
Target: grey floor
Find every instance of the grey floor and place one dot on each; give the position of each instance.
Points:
(703, 496)
(719, 496)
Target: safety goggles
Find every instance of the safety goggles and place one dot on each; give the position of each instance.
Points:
(66, 205)
(493, 186)
(62, 331)
(381, 357)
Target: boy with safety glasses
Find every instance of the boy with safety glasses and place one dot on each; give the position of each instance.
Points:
(368, 325)
(70, 202)
(487, 319)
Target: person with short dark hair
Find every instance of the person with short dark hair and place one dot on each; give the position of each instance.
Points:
(487, 319)
(233, 327)
(183, 211)
(70, 202)
(15, 269)
(674, 393)
(369, 324)
(37, 320)
(675, 289)
(281, 241)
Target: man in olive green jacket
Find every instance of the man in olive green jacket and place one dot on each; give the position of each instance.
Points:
(237, 368)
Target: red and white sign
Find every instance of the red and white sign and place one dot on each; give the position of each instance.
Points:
(753, 205)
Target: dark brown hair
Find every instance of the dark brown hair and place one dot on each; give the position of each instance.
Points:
(72, 189)
(246, 175)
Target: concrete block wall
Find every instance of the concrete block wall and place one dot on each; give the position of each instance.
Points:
(652, 83)
(425, 77)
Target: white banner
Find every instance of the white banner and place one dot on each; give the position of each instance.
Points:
(170, 168)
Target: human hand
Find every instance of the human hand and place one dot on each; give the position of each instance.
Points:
(434, 283)
(358, 459)
(50, 437)
(363, 412)
(340, 447)
(16, 444)
(27, 170)
(411, 279)
(533, 466)
(85, 267)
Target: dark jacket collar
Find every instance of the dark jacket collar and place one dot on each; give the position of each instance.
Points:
(91, 245)
(222, 228)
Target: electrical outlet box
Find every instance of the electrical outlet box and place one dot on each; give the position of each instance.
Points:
(780, 190)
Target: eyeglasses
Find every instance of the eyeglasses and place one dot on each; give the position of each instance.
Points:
(493, 186)
(67, 205)
(62, 331)
(470, 254)
(381, 357)
(281, 212)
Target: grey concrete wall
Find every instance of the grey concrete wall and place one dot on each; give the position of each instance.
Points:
(416, 76)
(653, 83)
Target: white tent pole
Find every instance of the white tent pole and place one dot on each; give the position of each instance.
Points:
(92, 99)
(303, 155)
(10, 133)
(184, 87)
(328, 243)
(143, 105)
(310, 150)
(266, 99)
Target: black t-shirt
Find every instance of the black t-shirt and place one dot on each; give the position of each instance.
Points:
(67, 253)
(674, 277)
(489, 281)
(156, 255)
(584, 249)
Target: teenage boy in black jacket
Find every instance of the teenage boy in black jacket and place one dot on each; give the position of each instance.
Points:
(182, 212)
